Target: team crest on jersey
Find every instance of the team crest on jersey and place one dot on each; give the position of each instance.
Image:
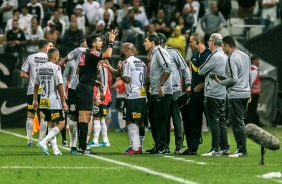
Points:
(95, 109)
(95, 53)
(72, 107)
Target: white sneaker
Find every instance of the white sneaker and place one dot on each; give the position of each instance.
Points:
(211, 154)
(239, 154)
(107, 144)
(43, 147)
(57, 152)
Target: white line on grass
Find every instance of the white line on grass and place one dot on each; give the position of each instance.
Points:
(184, 160)
(63, 167)
(143, 169)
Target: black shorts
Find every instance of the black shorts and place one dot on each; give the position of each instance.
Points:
(100, 111)
(54, 115)
(134, 109)
(29, 103)
(119, 103)
(72, 102)
(85, 97)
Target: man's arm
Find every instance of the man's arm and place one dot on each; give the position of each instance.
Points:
(66, 74)
(207, 66)
(233, 78)
(24, 75)
(108, 53)
(62, 96)
(113, 71)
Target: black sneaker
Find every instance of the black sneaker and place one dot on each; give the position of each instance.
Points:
(178, 151)
(89, 152)
(151, 150)
(159, 151)
(189, 152)
(65, 143)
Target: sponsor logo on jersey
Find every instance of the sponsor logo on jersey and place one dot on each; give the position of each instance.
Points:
(55, 115)
(46, 71)
(136, 115)
(44, 103)
(104, 111)
(40, 59)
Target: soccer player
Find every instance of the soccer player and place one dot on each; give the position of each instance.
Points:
(74, 57)
(52, 100)
(100, 110)
(29, 72)
(88, 68)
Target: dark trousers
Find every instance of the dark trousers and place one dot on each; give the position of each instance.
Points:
(252, 115)
(158, 117)
(193, 121)
(215, 113)
(237, 107)
(174, 112)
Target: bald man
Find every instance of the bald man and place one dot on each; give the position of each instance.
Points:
(215, 95)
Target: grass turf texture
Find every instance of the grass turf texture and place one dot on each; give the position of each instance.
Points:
(21, 164)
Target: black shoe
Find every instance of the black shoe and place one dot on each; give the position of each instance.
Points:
(89, 152)
(178, 151)
(189, 152)
(151, 150)
(159, 151)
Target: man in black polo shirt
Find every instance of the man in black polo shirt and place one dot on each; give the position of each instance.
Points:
(193, 125)
(88, 68)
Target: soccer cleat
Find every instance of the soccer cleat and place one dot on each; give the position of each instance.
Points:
(49, 144)
(65, 143)
(160, 151)
(88, 152)
(151, 150)
(211, 153)
(43, 147)
(79, 151)
(178, 151)
(239, 154)
(132, 152)
(225, 152)
(189, 152)
(140, 150)
(105, 144)
(120, 130)
(73, 151)
(93, 144)
(29, 145)
(57, 152)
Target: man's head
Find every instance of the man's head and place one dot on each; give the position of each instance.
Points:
(229, 44)
(34, 27)
(53, 55)
(78, 10)
(106, 16)
(109, 4)
(43, 45)
(162, 39)
(215, 41)
(94, 42)
(15, 24)
(82, 43)
(24, 9)
(73, 27)
(213, 8)
(196, 40)
(161, 13)
(151, 42)
(127, 50)
(16, 14)
(255, 60)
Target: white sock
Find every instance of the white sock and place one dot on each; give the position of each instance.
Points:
(51, 134)
(29, 128)
(121, 122)
(96, 130)
(141, 139)
(87, 139)
(54, 144)
(133, 133)
(73, 133)
(104, 130)
(42, 131)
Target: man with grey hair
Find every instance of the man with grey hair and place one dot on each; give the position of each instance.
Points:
(215, 95)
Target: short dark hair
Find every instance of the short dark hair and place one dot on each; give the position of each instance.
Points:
(15, 11)
(254, 57)
(230, 41)
(81, 41)
(42, 43)
(51, 52)
(154, 38)
(91, 39)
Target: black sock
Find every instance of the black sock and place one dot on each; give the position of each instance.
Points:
(63, 133)
(83, 134)
(141, 131)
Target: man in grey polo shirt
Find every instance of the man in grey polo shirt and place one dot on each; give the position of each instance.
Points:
(179, 69)
(161, 90)
(238, 82)
(215, 95)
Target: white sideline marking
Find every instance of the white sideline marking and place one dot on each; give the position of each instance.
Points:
(183, 159)
(143, 169)
(42, 167)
